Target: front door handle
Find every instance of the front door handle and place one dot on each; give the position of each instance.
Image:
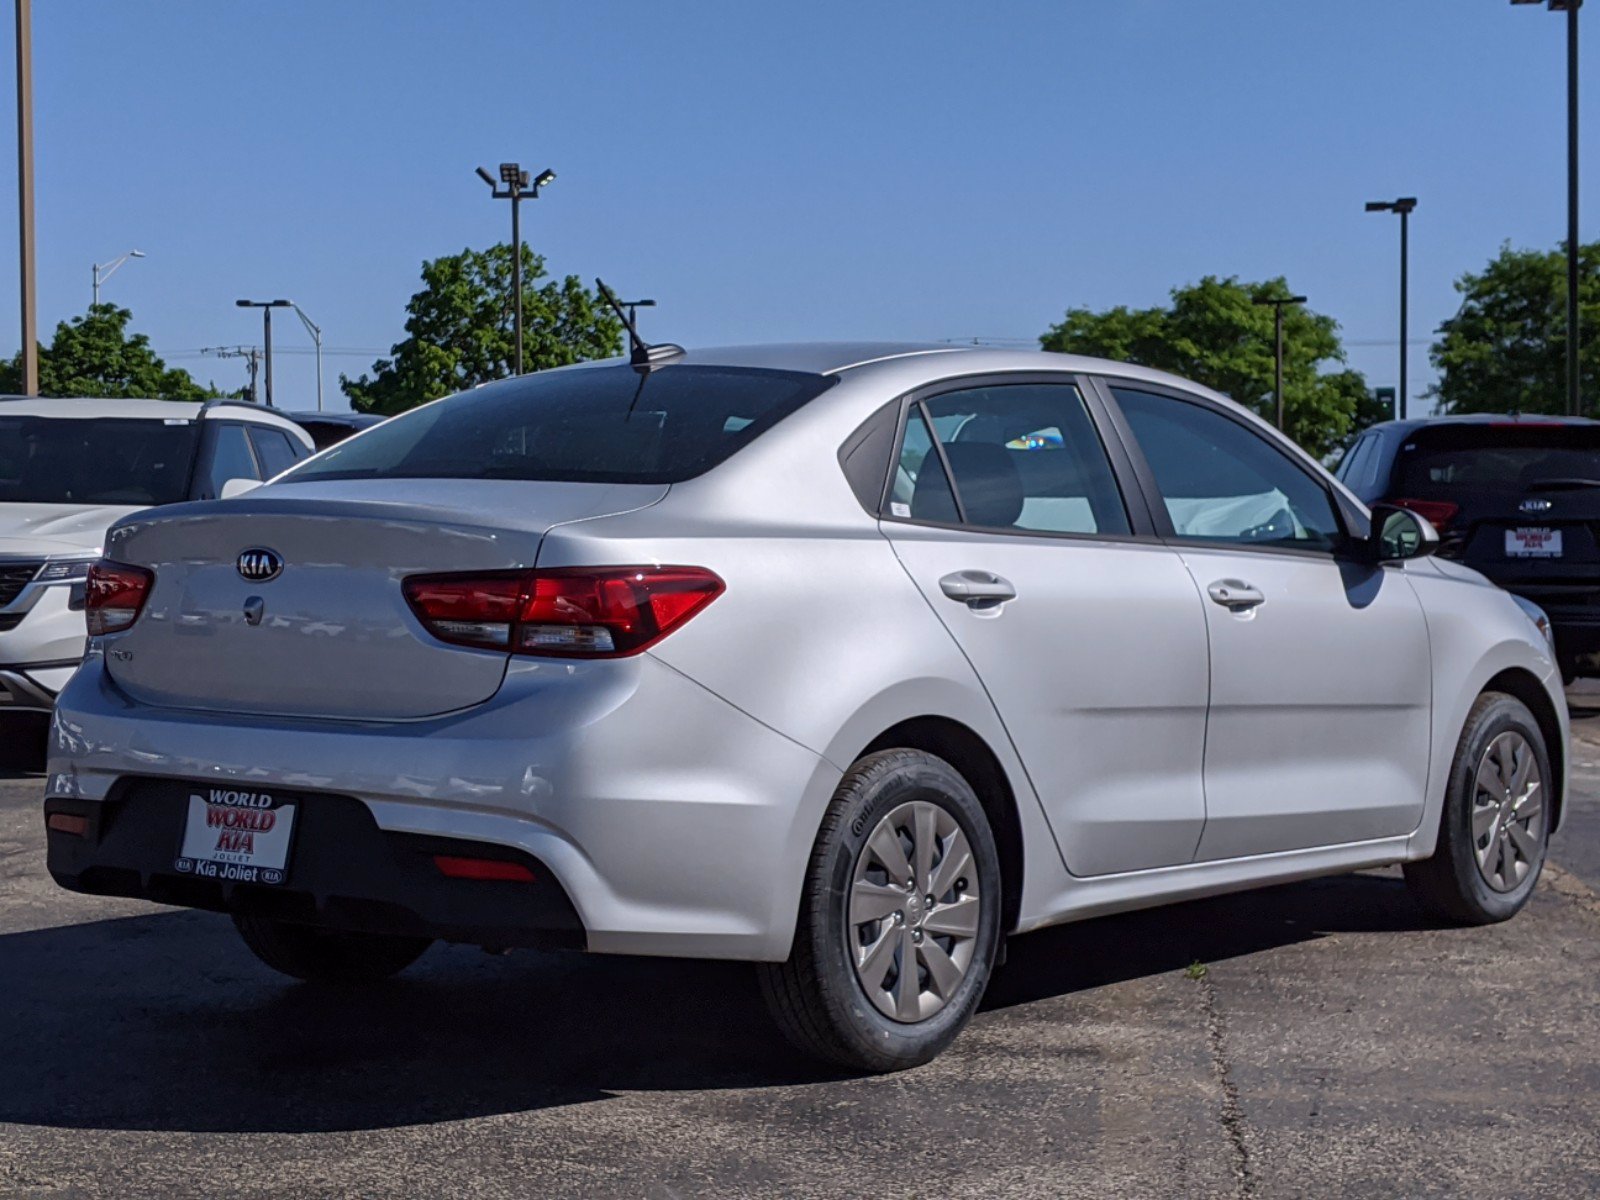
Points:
(1235, 595)
(977, 589)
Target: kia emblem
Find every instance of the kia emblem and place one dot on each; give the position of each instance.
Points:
(1534, 505)
(260, 565)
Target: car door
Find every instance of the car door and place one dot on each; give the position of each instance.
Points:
(1086, 631)
(1318, 730)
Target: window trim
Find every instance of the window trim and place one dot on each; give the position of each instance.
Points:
(1156, 502)
(1140, 523)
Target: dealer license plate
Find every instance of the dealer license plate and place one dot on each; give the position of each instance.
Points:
(236, 835)
(1533, 543)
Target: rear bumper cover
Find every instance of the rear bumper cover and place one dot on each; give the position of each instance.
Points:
(346, 873)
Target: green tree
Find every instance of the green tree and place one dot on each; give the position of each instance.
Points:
(1214, 334)
(1505, 350)
(461, 330)
(93, 355)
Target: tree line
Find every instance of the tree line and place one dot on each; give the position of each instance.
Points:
(1504, 350)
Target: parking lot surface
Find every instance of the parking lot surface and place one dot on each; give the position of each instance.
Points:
(1321, 1039)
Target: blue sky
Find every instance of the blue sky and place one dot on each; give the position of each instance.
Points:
(783, 170)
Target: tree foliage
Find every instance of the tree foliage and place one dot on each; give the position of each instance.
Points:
(461, 330)
(1505, 350)
(94, 355)
(1214, 334)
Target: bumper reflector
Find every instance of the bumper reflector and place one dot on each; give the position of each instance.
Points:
(454, 867)
(67, 823)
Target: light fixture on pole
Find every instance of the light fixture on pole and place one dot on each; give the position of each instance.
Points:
(104, 271)
(1277, 303)
(1574, 331)
(1404, 206)
(633, 307)
(315, 331)
(516, 188)
(27, 267)
(266, 307)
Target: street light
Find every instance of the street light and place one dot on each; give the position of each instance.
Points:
(1277, 303)
(1570, 7)
(633, 307)
(516, 187)
(1404, 206)
(104, 271)
(315, 331)
(266, 307)
(27, 273)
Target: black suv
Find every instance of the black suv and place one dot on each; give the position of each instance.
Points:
(1517, 498)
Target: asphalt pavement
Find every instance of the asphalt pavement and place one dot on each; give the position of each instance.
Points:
(1321, 1039)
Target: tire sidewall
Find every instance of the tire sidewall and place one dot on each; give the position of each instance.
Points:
(1505, 715)
(868, 797)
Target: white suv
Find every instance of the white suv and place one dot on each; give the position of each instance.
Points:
(69, 469)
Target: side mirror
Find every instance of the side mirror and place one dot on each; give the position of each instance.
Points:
(237, 487)
(1399, 534)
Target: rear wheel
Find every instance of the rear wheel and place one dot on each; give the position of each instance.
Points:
(900, 919)
(327, 955)
(1492, 833)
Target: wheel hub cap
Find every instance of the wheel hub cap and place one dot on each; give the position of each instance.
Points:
(912, 923)
(1508, 812)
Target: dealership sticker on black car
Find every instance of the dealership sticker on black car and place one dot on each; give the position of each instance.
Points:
(1533, 543)
(236, 836)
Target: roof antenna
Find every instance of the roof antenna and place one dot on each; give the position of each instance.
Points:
(641, 353)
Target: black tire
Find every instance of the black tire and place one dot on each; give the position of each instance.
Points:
(816, 997)
(327, 955)
(1449, 884)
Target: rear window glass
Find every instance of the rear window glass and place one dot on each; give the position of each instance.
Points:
(1442, 460)
(106, 460)
(591, 425)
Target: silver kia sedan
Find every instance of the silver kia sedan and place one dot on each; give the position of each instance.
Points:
(851, 661)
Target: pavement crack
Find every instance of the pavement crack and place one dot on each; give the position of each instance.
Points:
(1232, 1115)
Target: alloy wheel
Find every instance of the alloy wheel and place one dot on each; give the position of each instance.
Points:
(912, 924)
(1508, 812)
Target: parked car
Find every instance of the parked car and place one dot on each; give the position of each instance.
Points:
(331, 428)
(847, 660)
(1515, 497)
(68, 470)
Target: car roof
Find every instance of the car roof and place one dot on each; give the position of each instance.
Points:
(1412, 424)
(91, 408)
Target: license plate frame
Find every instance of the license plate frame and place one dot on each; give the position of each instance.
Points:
(1534, 541)
(238, 834)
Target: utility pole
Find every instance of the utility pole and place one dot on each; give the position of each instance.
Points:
(253, 363)
(27, 268)
(516, 188)
(266, 307)
(1277, 303)
(1405, 206)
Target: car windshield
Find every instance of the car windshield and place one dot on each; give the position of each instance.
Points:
(608, 424)
(104, 460)
(1441, 460)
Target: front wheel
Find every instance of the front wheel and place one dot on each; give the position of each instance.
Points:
(1492, 833)
(899, 922)
(327, 955)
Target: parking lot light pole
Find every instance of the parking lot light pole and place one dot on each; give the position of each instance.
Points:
(315, 331)
(1574, 331)
(1277, 303)
(516, 188)
(104, 271)
(633, 307)
(266, 307)
(1404, 206)
(27, 265)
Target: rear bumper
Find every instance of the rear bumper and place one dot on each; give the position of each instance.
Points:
(346, 873)
(674, 823)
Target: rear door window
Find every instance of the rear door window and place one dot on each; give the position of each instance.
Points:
(1024, 457)
(276, 452)
(229, 458)
(609, 424)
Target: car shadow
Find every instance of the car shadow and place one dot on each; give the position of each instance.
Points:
(163, 1021)
(23, 740)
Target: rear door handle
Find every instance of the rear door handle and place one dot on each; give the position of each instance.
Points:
(1235, 595)
(977, 589)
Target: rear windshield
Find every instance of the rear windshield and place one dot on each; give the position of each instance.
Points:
(592, 425)
(107, 460)
(1442, 460)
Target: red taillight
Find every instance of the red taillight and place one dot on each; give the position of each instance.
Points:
(572, 612)
(454, 867)
(1438, 512)
(114, 595)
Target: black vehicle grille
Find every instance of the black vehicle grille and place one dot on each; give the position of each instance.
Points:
(14, 576)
